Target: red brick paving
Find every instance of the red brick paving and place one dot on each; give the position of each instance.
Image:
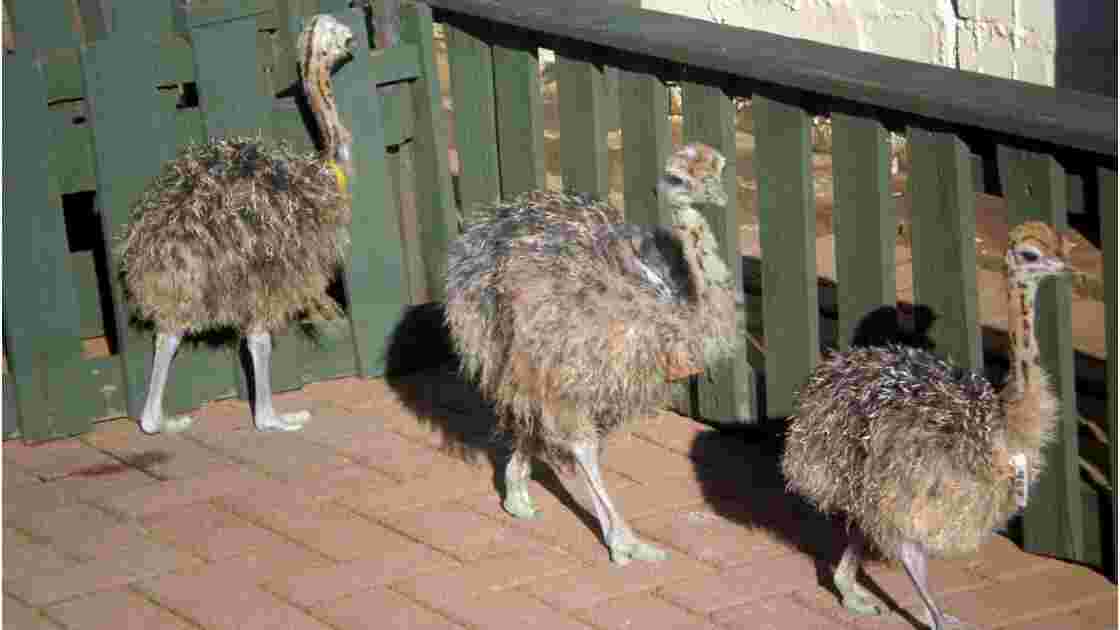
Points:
(380, 515)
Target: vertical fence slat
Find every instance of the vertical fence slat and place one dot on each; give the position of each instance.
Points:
(471, 64)
(646, 143)
(725, 392)
(374, 268)
(519, 112)
(435, 198)
(226, 68)
(864, 222)
(1034, 186)
(1107, 207)
(943, 202)
(41, 323)
(787, 236)
(583, 134)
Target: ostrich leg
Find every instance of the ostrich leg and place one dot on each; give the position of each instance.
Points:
(624, 545)
(151, 419)
(264, 416)
(517, 501)
(856, 598)
(913, 557)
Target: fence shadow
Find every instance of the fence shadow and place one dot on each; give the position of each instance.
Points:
(422, 369)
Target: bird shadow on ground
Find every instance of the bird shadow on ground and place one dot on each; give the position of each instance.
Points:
(739, 468)
(740, 475)
(422, 369)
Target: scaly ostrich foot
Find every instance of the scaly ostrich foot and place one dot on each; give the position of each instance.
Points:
(857, 599)
(282, 421)
(623, 551)
(165, 425)
(949, 622)
(518, 503)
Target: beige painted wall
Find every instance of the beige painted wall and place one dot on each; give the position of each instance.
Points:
(1071, 43)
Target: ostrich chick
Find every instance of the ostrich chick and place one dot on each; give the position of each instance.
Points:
(923, 457)
(573, 322)
(244, 233)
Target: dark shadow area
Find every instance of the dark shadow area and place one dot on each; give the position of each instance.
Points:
(422, 368)
(904, 324)
(755, 496)
(84, 233)
(1085, 51)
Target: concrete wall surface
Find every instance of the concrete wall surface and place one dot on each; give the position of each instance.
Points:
(1068, 43)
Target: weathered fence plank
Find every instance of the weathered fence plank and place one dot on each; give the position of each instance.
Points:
(943, 202)
(1034, 186)
(374, 272)
(646, 143)
(41, 322)
(226, 67)
(787, 234)
(724, 392)
(471, 62)
(519, 111)
(435, 198)
(583, 139)
(1107, 209)
(864, 223)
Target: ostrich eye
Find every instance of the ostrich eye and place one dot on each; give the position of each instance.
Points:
(1029, 256)
(673, 180)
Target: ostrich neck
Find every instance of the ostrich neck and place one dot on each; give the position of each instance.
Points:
(1026, 369)
(701, 247)
(1030, 407)
(320, 95)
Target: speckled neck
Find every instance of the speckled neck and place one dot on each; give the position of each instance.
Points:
(1026, 369)
(697, 236)
(315, 69)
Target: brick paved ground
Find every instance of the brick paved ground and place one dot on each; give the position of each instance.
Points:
(383, 513)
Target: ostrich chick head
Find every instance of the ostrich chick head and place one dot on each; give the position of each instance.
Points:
(693, 174)
(1035, 251)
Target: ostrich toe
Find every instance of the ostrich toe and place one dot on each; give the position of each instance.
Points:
(857, 599)
(165, 425)
(282, 421)
(518, 503)
(623, 552)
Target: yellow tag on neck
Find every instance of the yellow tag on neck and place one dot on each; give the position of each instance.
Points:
(339, 175)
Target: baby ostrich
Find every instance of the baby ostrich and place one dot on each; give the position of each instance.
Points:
(573, 322)
(246, 233)
(925, 458)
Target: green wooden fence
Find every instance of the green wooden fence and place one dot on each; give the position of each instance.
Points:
(956, 123)
(92, 115)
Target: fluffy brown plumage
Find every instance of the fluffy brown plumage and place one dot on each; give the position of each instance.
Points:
(239, 232)
(916, 452)
(243, 233)
(573, 322)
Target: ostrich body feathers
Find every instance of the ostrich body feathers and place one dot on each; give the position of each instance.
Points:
(572, 321)
(908, 446)
(237, 232)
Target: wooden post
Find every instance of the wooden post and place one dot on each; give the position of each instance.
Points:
(787, 233)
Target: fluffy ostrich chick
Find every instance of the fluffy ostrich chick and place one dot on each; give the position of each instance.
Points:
(243, 233)
(573, 322)
(923, 457)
